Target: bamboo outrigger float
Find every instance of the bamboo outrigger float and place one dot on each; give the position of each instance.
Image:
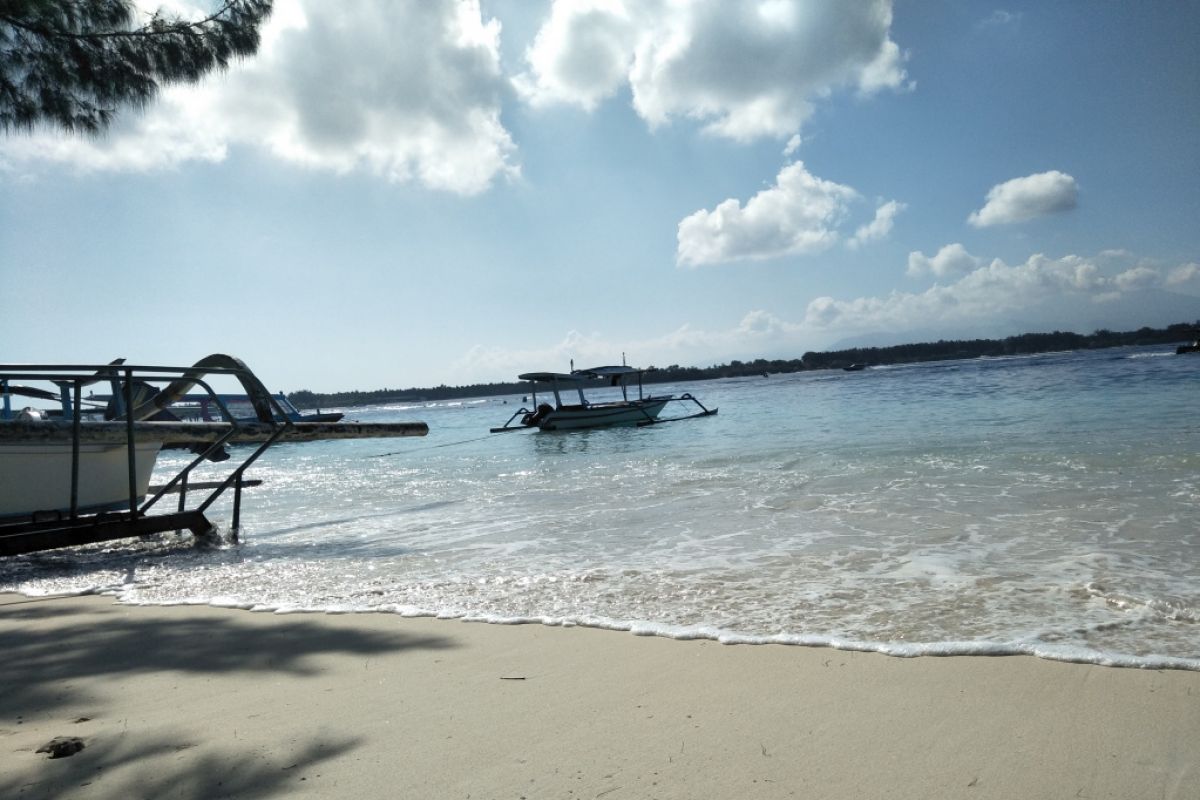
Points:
(68, 477)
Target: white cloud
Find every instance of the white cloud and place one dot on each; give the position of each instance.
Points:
(764, 324)
(985, 293)
(953, 259)
(580, 55)
(1137, 278)
(1024, 198)
(1183, 274)
(878, 228)
(746, 70)
(1134, 272)
(405, 91)
(493, 363)
(1000, 19)
(798, 215)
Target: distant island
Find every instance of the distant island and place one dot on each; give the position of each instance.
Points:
(941, 350)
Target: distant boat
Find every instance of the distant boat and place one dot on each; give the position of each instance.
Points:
(642, 410)
(1192, 347)
(242, 409)
(207, 408)
(855, 368)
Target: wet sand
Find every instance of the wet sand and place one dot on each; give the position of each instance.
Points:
(199, 702)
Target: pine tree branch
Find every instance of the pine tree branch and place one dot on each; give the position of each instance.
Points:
(72, 62)
(153, 28)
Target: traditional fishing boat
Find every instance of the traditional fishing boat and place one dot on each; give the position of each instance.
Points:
(36, 475)
(561, 416)
(79, 472)
(43, 473)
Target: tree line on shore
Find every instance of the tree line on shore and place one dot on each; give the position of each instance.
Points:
(941, 350)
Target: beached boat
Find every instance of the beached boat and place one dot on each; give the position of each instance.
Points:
(561, 416)
(77, 473)
(37, 477)
(46, 474)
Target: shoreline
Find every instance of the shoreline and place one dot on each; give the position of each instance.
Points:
(201, 701)
(1046, 651)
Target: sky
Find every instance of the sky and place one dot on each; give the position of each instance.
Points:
(408, 193)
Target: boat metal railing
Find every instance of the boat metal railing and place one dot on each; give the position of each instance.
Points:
(124, 424)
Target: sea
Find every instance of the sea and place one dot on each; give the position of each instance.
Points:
(1046, 505)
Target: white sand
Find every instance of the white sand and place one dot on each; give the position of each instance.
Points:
(196, 702)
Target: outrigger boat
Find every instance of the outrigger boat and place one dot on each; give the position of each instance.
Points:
(78, 474)
(642, 410)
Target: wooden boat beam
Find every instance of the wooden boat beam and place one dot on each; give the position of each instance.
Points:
(183, 434)
(35, 536)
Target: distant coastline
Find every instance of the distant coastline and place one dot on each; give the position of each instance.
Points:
(941, 350)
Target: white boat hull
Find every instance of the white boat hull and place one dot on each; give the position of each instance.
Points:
(37, 477)
(604, 415)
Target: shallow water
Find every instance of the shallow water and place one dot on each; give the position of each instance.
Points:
(1045, 504)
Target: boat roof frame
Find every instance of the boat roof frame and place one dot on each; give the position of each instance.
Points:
(550, 377)
(576, 378)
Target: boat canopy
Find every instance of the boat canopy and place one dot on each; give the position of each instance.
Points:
(607, 372)
(549, 377)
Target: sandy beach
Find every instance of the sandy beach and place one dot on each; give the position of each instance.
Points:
(201, 702)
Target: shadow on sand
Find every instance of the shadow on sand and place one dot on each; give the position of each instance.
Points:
(47, 645)
(52, 650)
(136, 759)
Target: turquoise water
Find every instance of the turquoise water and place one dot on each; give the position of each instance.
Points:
(1046, 505)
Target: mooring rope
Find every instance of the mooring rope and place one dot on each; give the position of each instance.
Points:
(430, 447)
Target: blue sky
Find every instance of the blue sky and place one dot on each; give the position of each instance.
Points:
(409, 193)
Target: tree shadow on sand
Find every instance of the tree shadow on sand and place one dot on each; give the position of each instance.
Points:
(47, 647)
(151, 765)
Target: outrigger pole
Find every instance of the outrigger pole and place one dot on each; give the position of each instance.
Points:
(706, 412)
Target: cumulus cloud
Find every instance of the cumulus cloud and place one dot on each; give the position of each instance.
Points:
(1134, 272)
(1024, 198)
(402, 90)
(580, 55)
(1138, 278)
(984, 293)
(878, 228)
(746, 70)
(1183, 274)
(953, 259)
(761, 323)
(798, 215)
